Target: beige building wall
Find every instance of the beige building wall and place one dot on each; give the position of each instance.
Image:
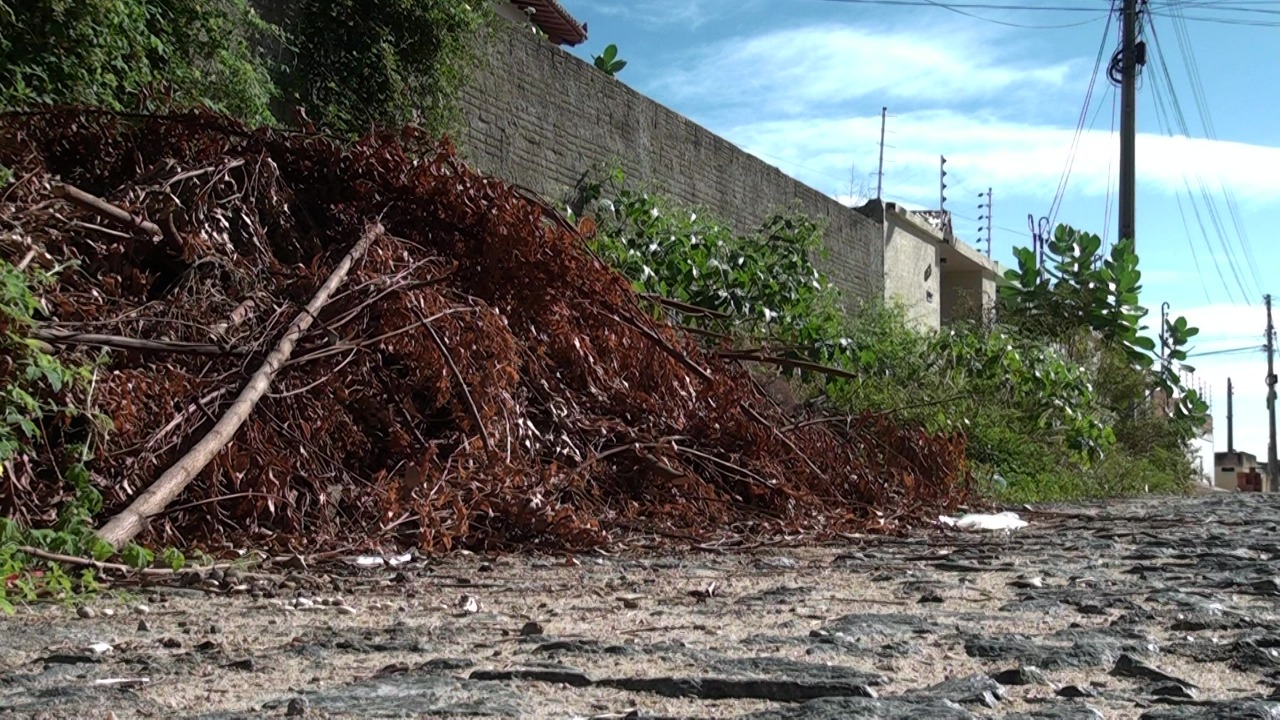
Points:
(1226, 465)
(912, 275)
(938, 278)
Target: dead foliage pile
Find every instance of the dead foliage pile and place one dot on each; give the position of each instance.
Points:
(479, 380)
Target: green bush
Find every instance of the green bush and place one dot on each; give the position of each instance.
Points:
(356, 63)
(349, 64)
(1051, 410)
(117, 53)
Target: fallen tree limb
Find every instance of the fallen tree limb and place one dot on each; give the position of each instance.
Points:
(71, 337)
(99, 565)
(124, 526)
(111, 212)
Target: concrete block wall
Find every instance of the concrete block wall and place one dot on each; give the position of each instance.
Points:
(540, 117)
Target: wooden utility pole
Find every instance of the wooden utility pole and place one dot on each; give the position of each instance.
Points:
(884, 114)
(1273, 469)
(1128, 117)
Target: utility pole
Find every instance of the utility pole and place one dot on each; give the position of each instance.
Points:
(884, 114)
(1273, 469)
(986, 217)
(1231, 428)
(1128, 117)
(942, 183)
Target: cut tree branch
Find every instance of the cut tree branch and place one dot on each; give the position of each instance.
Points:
(70, 337)
(111, 212)
(123, 527)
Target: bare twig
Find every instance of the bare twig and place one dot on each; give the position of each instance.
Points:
(752, 356)
(123, 527)
(664, 346)
(70, 337)
(683, 307)
(117, 567)
(111, 212)
(471, 404)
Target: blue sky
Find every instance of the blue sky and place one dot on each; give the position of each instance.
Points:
(801, 83)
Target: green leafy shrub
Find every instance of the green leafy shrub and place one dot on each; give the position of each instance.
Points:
(116, 53)
(1054, 398)
(608, 61)
(763, 281)
(355, 63)
(349, 64)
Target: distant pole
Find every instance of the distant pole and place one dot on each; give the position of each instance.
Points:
(1128, 117)
(989, 220)
(1231, 428)
(1164, 335)
(884, 114)
(942, 183)
(986, 216)
(1273, 469)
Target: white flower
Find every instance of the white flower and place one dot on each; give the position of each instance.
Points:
(693, 216)
(653, 212)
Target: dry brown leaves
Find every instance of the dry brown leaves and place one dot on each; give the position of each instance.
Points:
(596, 423)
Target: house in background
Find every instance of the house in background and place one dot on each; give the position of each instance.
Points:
(936, 276)
(546, 15)
(1236, 470)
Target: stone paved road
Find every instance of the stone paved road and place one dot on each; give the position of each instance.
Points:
(1155, 608)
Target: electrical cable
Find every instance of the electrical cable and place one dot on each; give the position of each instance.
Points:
(1060, 193)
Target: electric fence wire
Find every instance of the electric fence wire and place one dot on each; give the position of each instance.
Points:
(1221, 11)
(1229, 351)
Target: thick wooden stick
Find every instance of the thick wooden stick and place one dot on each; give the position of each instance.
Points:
(111, 212)
(123, 527)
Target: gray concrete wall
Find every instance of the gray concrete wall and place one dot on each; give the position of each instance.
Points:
(544, 119)
(911, 272)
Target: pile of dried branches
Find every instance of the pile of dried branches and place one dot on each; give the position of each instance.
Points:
(478, 380)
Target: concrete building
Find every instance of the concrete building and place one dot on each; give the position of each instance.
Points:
(937, 277)
(1233, 468)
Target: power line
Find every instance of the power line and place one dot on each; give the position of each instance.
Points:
(1060, 193)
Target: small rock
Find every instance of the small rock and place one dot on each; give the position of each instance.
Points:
(1025, 675)
(141, 609)
(630, 604)
(469, 604)
(144, 626)
(1075, 691)
(303, 603)
(86, 612)
(531, 628)
(1130, 666)
(215, 629)
(346, 610)
(1174, 690)
(108, 612)
(297, 707)
(932, 596)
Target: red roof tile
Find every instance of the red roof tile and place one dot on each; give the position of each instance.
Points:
(555, 21)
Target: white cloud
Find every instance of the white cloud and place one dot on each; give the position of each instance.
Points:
(1005, 154)
(654, 13)
(793, 70)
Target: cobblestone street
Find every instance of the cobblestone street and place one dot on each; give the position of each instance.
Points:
(1152, 608)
